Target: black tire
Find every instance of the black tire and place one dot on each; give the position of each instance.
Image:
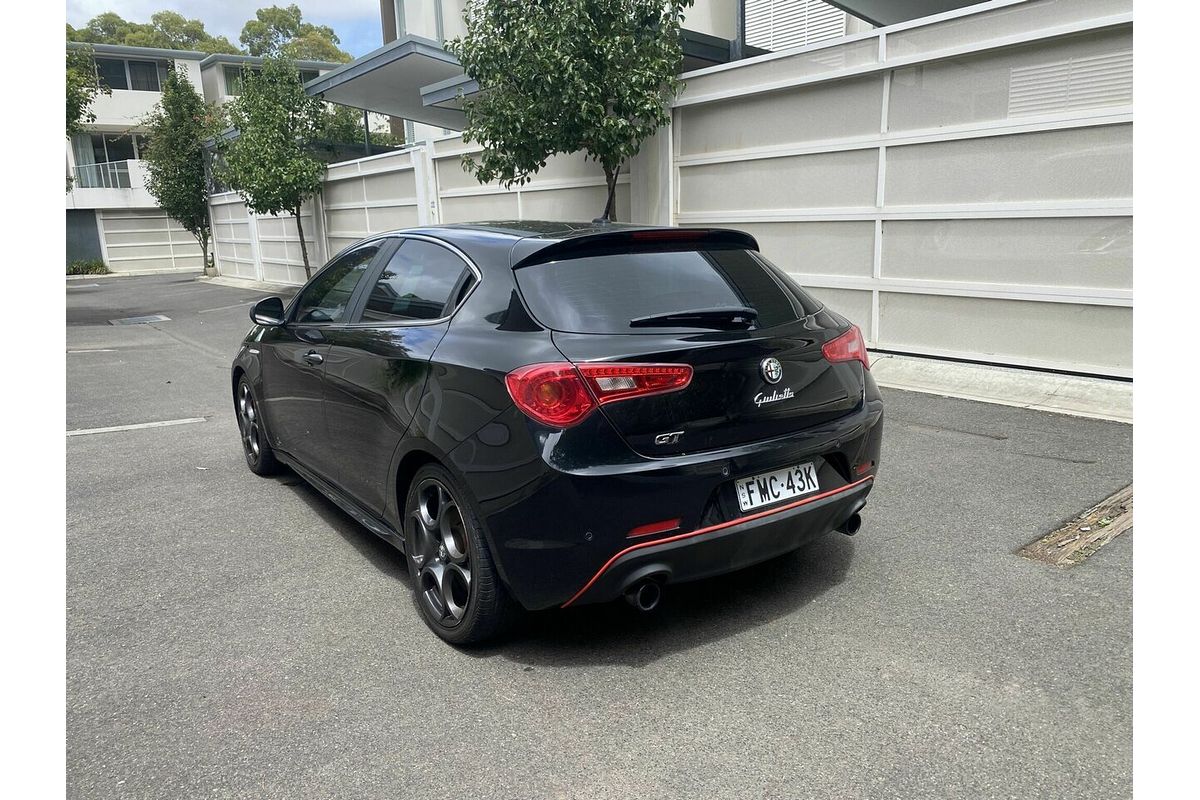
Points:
(257, 449)
(455, 584)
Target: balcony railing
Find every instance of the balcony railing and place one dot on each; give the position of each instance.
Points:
(107, 175)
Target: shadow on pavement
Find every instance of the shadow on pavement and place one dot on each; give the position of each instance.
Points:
(382, 555)
(690, 615)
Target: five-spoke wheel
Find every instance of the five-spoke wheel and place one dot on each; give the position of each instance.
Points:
(441, 553)
(259, 456)
(455, 583)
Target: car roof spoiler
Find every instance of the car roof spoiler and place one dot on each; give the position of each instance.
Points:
(537, 250)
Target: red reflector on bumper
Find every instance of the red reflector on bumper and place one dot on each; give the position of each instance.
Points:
(653, 527)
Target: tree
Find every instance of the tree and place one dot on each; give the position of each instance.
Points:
(276, 31)
(82, 87)
(175, 156)
(560, 76)
(166, 29)
(269, 161)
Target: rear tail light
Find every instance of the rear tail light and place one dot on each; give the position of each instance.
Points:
(610, 382)
(847, 347)
(562, 394)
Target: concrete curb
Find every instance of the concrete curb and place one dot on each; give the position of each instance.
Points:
(286, 289)
(134, 274)
(1097, 398)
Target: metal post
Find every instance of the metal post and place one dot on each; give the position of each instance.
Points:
(366, 134)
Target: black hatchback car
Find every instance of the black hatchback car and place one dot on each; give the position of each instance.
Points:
(551, 414)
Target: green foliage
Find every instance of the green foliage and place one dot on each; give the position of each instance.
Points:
(559, 76)
(175, 156)
(89, 266)
(276, 31)
(269, 161)
(82, 88)
(166, 29)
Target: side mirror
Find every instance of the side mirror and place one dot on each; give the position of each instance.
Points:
(268, 311)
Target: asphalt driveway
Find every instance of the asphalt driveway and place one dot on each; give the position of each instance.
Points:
(232, 636)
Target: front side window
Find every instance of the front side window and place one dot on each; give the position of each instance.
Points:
(416, 284)
(327, 299)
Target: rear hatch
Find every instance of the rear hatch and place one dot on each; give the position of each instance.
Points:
(727, 313)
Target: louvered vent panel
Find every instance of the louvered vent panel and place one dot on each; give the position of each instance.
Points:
(780, 24)
(1071, 85)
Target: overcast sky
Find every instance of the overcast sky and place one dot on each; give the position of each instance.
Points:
(356, 22)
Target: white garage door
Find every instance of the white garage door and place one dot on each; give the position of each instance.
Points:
(144, 240)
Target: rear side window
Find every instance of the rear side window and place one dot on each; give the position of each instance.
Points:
(416, 284)
(604, 293)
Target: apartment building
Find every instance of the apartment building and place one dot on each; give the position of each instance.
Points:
(110, 215)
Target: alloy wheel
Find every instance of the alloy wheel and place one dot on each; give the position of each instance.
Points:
(439, 551)
(248, 421)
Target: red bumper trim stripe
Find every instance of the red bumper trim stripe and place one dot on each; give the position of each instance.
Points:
(712, 528)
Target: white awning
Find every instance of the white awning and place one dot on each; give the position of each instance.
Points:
(889, 12)
(389, 81)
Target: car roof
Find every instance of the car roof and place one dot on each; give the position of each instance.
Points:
(511, 242)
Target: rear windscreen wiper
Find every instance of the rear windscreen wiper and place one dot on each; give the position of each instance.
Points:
(723, 317)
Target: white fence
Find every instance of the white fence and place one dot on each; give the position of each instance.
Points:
(264, 247)
(959, 186)
(421, 185)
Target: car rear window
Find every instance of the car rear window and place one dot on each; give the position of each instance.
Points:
(603, 293)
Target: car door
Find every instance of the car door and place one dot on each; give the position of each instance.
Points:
(377, 366)
(293, 357)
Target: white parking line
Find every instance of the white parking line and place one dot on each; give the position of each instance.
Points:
(139, 426)
(226, 308)
(94, 350)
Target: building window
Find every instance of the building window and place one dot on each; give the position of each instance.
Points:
(144, 76)
(233, 80)
(234, 73)
(111, 72)
(135, 74)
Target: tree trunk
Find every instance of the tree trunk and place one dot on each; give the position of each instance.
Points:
(610, 179)
(202, 240)
(303, 246)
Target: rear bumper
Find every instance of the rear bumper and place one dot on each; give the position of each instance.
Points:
(554, 520)
(727, 546)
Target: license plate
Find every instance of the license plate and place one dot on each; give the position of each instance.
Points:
(771, 487)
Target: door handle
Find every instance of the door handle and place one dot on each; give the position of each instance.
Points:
(314, 358)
